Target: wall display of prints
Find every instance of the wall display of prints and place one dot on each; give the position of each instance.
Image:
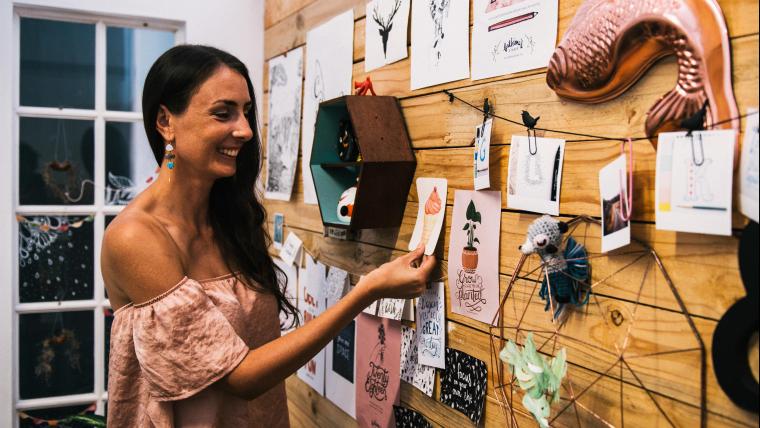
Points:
(440, 42)
(385, 36)
(509, 36)
(329, 65)
(378, 353)
(311, 303)
(285, 86)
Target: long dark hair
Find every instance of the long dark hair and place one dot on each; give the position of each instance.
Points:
(236, 215)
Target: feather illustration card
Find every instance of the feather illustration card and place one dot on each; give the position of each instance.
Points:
(285, 87)
(509, 36)
(385, 36)
(431, 326)
(378, 352)
(474, 254)
(329, 66)
(288, 277)
(412, 372)
(463, 384)
(311, 303)
(432, 208)
(535, 174)
(440, 42)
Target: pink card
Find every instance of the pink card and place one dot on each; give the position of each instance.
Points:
(474, 254)
(378, 363)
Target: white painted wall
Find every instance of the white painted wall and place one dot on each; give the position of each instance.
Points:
(236, 26)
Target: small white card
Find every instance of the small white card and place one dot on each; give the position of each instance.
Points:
(482, 155)
(616, 232)
(391, 308)
(430, 213)
(277, 239)
(693, 183)
(535, 174)
(749, 170)
(290, 248)
(431, 327)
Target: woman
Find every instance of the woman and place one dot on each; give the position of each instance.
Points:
(191, 351)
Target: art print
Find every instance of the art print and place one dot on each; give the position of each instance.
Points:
(473, 268)
(340, 370)
(431, 326)
(283, 131)
(391, 308)
(329, 66)
(693, 192)
(311, 303)
(385, 36)
(378, 351)
(509, 36)
(482, 159)
(440, 42)
(412, 372)
(613, 191)
(749, 169)
(463, 384)
(430, 213)
(535, 174)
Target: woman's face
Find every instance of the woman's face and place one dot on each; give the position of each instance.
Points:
(210, 132)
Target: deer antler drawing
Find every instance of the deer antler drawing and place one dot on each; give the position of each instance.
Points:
(385, 24)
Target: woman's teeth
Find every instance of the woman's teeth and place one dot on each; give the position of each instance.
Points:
(229, 152)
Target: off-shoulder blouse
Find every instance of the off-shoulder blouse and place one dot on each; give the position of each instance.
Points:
(167, 354)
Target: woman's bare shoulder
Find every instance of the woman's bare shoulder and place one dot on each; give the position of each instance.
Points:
(139, 259)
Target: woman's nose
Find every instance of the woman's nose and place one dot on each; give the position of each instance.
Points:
(243, 129)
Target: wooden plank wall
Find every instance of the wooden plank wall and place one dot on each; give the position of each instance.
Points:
(704, 268)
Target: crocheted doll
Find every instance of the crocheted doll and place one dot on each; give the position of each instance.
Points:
(566, 272)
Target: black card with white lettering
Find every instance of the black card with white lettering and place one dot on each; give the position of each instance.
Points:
(463, 384)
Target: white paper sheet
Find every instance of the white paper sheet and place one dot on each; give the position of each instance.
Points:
(749, 170)
(440, 42)
(285, 87)
(311, 303)
(387, 20)
(291, 291)
(291, 248)
(616, 233)
(431, 327)
(510, 36)
(535, 180)
(329, 65)
(693, 183)
(482, 158)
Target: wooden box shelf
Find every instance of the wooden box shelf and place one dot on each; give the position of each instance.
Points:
(384, 174)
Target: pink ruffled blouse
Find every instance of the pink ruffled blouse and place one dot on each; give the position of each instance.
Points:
(167, 354)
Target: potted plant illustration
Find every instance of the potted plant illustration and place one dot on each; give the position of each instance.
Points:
(470, 253)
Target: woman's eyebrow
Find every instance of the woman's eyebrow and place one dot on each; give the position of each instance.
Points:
(232, 103)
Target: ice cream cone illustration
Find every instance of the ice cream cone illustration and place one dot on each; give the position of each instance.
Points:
(432, 208)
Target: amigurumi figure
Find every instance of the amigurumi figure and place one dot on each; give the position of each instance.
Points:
(565, 272)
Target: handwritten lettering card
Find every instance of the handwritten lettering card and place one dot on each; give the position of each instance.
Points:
(340, 370)
(311, 303)
(432, 207)
(378, 350)
(408, 418)
(412, 372)
(693, 183)
(391, 308)
(474, 254)
(288, 280)
(509, 36)
(463, 384)
(431, 326)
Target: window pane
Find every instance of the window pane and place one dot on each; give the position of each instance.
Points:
(55, 156)
(56, 354)
(55, 258)
(130, 54)
(130, 164)
(60, 414)
(57, 64)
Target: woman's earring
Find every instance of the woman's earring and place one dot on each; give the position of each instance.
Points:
(169, 156)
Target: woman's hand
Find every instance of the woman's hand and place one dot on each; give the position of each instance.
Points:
(400, 278)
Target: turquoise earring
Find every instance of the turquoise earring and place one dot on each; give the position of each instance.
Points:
(169, 156)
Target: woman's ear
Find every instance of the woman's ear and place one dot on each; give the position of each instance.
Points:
(164, 123)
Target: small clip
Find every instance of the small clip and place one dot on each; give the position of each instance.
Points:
(696, 122)
(487, 110)
(451, 96)
(530, 123)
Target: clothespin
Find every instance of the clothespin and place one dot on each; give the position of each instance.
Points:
(530, 123)
(487, 110)
(696, 122)
(361, 88)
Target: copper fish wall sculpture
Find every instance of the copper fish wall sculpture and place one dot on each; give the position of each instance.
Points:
(610, 44)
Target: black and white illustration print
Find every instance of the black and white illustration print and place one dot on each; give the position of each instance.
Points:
(284, 126)
(385, 37)
(408, 418)
(463, 384)
(440, 42)
(412, 372)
